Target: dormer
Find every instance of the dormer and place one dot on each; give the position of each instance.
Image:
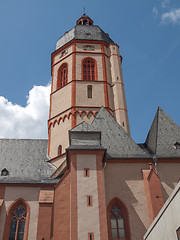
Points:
(177, 145)
(4, 172)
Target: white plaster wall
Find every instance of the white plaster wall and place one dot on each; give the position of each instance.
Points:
(59, 136)
(30, 195)
(97, 99)
(57, 66)
(169, 222)
(88, 217)
(57, 56)
(61, 100)
(124, 181)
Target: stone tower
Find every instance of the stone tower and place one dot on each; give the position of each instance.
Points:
(86, 75)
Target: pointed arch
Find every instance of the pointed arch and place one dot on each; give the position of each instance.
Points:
(89, 69)
(118, 220)
(17, 220)
(62, 76)
(90, 112)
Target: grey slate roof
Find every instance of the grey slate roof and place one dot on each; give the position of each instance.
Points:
(25, 160)
(84, 32)
(113, 137)
(163, 134)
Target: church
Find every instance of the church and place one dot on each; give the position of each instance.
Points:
(89, 180)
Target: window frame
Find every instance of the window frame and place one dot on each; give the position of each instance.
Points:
(59, 150)
(89, 91)
(11, 208)
(92, 79)
(89, 200)
(125, 216)
(86, 172)
(61, 80)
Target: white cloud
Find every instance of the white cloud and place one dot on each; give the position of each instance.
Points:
(165, 3)
(172, 16)
(29, 121)
(155, 11)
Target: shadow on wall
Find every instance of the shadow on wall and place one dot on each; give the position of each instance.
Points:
(125, 181)
(169, 175)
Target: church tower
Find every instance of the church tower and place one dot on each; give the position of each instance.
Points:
(86, 75)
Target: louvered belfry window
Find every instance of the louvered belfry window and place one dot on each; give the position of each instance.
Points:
(89, 69)
(18, 220)
(62, 76)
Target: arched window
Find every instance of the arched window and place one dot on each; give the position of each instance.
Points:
(118, 222)
(62, 75)
(89, 69)
(59, 149)
(17, 221)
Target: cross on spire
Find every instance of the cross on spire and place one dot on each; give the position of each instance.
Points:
(84, 11)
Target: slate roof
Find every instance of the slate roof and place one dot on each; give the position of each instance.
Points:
(162, 136)
(84, 32)
(26, 161)
(113, 137)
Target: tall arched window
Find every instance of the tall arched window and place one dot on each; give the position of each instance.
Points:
(89, 69)
(17, 221)
(62, 75)
(118, 222)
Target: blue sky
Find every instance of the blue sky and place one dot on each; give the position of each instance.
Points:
(148, 33)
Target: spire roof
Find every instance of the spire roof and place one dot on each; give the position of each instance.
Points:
(113, 136)
(84, 30)
(163, 136)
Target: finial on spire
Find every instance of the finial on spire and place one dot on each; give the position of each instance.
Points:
(84, 11)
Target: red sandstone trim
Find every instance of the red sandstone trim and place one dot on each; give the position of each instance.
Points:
(50, 107)
(168, 160)
(105, 78)
(44, 221)
(88, 81)
(59, 76)
(113, 54)
(114, 44)
(119, 83)
(49, 140)
(129, 160)
(120, 109)
(101, 196)
(61, 209)
(74, 214)
(8, 218)
(68, 116)
(73, 102)
(51, 185)
(77, 41)
(52, 159)
(79, 52)
(153, 191)
(77, 107)
(2, 193)
(96, 152)
(52, 72)
(62, 179)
